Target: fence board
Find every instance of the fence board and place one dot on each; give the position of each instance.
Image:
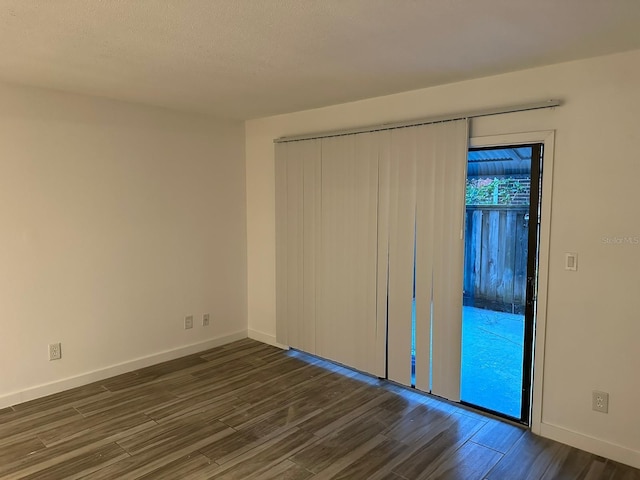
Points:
(502, 282)
(510, 254)
(494, 275)
(520, 283)
(496, 257)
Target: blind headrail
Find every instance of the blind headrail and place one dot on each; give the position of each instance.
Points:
(424, 121)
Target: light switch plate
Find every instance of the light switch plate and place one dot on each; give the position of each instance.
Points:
(571, 261)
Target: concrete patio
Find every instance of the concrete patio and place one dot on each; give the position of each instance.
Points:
(492, 356)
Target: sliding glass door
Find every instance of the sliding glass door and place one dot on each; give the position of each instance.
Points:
(500, 275)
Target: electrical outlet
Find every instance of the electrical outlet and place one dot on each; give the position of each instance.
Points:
(55, 351)
(188, 322)
(205, 320)
(600, 401)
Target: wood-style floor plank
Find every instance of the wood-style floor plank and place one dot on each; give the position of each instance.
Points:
(180, 468)
(616, 471)
(436, 449)
(374, 461)
(286, 470)
(79, 428)
(5, 411)
(339, 444)
(17, 423)
(265, 456)
(530, 458)
(471, 462)
(62, 399)
(499, 436)
(80, 466)
(251, 411)
(46, 458)
(21, 448)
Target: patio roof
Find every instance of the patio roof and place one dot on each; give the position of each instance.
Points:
(499, 161)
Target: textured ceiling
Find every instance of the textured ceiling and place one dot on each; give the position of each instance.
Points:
(250, 58)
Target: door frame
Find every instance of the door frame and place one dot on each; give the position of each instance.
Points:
(547, 138)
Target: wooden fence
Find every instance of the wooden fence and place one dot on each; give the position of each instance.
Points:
(496, 257)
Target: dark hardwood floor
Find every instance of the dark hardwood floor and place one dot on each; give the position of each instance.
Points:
(251, 411)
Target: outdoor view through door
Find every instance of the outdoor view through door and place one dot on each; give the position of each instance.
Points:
(501, 250)
(500, 278)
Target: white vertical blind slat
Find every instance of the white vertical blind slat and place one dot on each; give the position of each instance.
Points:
(451, 153)
(347, 328)
(282, 243)
(425, 251)
(297, 177)
(295, 250)
(402, 201)
(311, 165)
(384, 167)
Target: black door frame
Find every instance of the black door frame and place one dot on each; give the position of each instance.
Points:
(533, 254)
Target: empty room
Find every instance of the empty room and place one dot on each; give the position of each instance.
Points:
(336, 239)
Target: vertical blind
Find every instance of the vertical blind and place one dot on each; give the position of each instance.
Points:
(347, 331)
(297, 242)
(440, 213)
(359, 219)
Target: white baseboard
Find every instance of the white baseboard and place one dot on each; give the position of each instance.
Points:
(593, 445)
(97, 375)
(266, 338)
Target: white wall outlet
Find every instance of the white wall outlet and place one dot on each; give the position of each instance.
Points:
(205, 320)
(188, 322)
(600, 401)
(55, 351)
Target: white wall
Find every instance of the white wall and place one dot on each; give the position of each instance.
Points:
(592, 321)
(116, 221)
